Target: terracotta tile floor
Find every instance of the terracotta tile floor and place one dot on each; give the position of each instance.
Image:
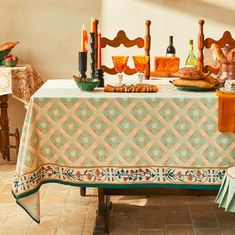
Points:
(64, 212)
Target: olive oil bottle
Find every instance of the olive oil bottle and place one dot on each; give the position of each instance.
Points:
(191, 60)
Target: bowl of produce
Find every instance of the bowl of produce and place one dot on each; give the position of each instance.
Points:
(5, 49)
(86, 84)
(10, 61)
(3, 54)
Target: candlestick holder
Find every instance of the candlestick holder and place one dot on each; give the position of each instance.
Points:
(92, 54)
(96, 42)
(82, 63)
(99, 74)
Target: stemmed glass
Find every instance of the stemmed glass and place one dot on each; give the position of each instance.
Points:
(140, 62)
(120, 65)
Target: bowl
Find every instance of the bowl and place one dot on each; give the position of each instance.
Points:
(230, 84)
(2, 54)
(88, 85)
(10, 63)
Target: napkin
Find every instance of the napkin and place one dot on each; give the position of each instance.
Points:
(226, 108)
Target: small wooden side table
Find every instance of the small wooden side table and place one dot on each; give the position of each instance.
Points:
(21, 82)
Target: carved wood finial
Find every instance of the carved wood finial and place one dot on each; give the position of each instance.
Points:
(201, 23)
(148, 23)
(200, 58)
(147, 45)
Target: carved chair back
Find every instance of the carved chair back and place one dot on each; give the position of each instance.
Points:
(122, 39)
(226, 39)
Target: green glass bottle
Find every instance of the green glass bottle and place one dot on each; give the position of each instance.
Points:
(191, 59)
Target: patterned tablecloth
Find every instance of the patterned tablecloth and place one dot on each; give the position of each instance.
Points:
(20, 81)
(168, 138)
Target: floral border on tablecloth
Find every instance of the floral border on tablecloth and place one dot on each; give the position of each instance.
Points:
(117, 175)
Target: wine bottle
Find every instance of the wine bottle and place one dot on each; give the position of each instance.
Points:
(170, 51)
(191, 60)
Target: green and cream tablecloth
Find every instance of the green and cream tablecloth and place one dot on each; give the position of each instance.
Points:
(169, 138)
(20, 81)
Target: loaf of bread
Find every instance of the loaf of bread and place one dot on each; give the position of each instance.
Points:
(189, 73)
(218, 52)
(212, 80)
(166, 65)
(193, 83)
(231, 56)
(131, 88)
(8, 46)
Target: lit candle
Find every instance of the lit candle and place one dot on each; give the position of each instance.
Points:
(99, 66)
(92, 25)
(84, 39)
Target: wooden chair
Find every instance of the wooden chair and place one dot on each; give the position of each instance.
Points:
(226, 39)
(140, 42)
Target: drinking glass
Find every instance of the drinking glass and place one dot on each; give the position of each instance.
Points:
(120, 65)
(140, 62)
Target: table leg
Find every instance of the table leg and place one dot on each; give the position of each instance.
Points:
(4, 128)
(104, 206)
(83, 192)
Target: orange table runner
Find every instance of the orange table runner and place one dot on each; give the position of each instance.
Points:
(226, 109)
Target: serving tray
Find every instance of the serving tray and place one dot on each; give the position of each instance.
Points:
(194, 88)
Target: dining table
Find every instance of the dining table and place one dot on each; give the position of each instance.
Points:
(120, 140)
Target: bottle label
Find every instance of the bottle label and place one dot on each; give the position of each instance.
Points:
(170, 55)
(190, 66)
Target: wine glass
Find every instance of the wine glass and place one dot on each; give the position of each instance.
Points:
(140, 62)
(120, 65)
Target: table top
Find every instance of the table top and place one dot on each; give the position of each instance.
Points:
(68, 89)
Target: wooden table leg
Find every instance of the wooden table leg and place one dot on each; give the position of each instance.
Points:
(4, 128)
(104, 206)
(83, 192)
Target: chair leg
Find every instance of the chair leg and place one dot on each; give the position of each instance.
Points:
(83, 192)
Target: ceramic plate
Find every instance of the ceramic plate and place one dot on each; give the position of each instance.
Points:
(226, 90)
(194, 88)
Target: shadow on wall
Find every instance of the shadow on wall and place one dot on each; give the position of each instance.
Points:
(202, 8)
